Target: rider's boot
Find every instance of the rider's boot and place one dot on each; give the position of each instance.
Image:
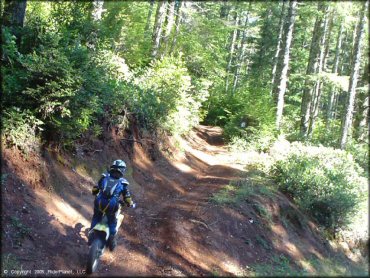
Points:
(90, 238)
(112, 242)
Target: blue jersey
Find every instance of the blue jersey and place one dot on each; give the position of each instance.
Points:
(121, 188)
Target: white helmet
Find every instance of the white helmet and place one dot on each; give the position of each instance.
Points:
(119, 165)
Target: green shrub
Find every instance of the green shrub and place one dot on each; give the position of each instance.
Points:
(167, 98)
(21, 129)
(244, 190)
(360, 152)
(326, 182)
(251, 138)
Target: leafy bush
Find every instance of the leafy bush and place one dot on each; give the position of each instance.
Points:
(326, 182)
(166, 97)
(360, 152)
(243, 190)
(20, 129)
(252, 139)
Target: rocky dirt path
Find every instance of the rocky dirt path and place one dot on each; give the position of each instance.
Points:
(175, 230)
(172, 230)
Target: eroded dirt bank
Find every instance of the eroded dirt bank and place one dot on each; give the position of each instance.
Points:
(175, 230)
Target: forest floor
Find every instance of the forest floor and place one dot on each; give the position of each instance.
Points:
(176, 229)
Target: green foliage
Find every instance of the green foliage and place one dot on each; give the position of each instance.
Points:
(279, 265)
(4, 178)
(243, 190)
(10, 262)
(360, 153)
(167, 98)
(21, 129)
(262, 241)
(324, 181)
(262, 211)
(21, 230)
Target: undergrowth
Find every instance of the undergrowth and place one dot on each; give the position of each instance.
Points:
(280, 265)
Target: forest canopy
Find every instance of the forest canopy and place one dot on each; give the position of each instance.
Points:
(286, 67)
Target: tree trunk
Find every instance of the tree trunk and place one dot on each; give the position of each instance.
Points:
(347, 121)
(278, 48)
(157, 30)
(318, 86)
(338, 46)
(287, 40)
(224, 10)
(242, 48)
(327, 45)
(232, 48)
(311, 69)
(169, 26)
(149, 17)
(363, 127)
(98, 9)
(262, 47)
(14, 13)
(13, 16)
(178, 12)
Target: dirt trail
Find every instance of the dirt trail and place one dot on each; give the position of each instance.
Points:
(175, 229)
(171, 231)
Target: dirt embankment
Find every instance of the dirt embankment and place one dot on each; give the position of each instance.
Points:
(175, 230)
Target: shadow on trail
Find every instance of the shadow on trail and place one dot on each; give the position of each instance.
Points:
(175, 230)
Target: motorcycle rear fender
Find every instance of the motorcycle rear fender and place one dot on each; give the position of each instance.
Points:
(103, 226)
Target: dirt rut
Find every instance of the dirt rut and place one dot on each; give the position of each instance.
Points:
(175, 229)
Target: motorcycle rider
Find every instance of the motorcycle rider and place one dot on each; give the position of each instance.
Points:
(110, 187)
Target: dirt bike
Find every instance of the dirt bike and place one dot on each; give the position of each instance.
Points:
(100, 235)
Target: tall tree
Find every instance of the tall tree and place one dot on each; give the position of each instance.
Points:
(13, 16)
(363, 127)
(14, 13)
(328, 38)
(312, 67)
(316, 96)
(170, 22)
(232, 47)
(225, 9)
(149, 17)
(241, 51)
(347, 121)
(158, 25)
(333, 92)
(278, 47)
(98, 9)
(283, 75)
(178, 13)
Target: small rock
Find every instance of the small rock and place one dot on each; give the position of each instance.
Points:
(24, 209)
(167, 247)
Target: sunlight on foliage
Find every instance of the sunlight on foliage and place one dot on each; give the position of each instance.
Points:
(324, 181)
(21, 129)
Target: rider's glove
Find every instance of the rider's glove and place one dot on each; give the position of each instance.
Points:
(129, 202)
(95, 190)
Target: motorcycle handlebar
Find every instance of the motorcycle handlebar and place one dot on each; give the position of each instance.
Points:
(122, 203)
